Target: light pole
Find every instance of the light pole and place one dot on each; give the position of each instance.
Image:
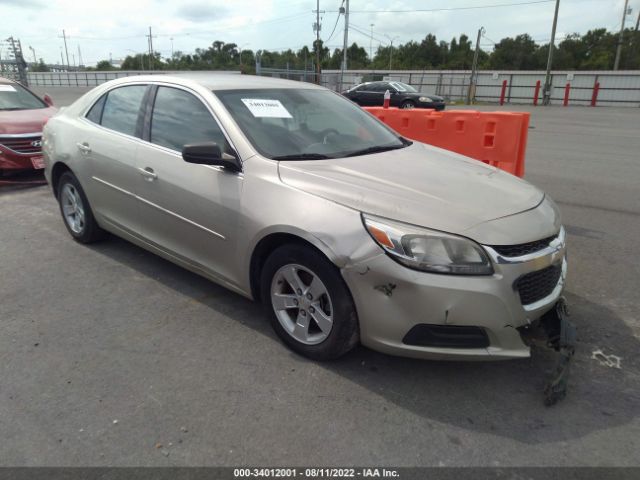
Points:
(391, 40)
(34, 54)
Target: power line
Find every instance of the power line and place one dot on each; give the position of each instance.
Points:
(336, 24)
(367, 34)
(423, 10)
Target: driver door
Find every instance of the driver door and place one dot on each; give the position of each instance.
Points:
(189, 211)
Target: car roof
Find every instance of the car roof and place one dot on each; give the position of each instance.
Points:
(222, 81)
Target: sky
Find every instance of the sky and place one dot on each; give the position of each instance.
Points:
(117, 28)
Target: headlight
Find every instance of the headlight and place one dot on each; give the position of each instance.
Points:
(425, 100)
(428, 250)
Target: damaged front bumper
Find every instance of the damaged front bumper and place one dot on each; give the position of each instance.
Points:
(418, 314)
(554, 332)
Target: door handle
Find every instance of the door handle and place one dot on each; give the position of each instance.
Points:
(84, 147)
(148, 173)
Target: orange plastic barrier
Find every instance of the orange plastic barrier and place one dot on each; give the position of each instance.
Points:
(495, 138)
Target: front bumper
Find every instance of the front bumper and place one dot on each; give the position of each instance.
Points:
(392, 299)
(438, 106)
(11, 160)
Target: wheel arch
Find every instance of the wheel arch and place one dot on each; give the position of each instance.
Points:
(56, 172)
(274, 239)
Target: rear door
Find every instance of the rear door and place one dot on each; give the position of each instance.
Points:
(109, 145)
(367, 95)
(190, 211)
(375, 94)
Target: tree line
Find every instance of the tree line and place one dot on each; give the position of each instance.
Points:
(595, 50)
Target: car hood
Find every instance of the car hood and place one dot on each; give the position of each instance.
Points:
(13, 122)
(419, 184)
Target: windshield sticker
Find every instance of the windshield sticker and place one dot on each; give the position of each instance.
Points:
(269, 108)
(7, 88)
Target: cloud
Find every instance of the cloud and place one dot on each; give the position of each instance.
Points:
(201, 12)
(22, 3)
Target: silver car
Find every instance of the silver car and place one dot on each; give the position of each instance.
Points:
(290, 194)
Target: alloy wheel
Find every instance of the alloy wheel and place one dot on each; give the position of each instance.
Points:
(302, 304)
(72, 208)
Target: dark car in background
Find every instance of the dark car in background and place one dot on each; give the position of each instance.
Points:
(22, 116)
(371, 94)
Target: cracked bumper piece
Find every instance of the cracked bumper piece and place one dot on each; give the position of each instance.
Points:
(417, 314)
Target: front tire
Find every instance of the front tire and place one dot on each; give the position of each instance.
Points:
(309, 305)
(76, 211)
(407, 104)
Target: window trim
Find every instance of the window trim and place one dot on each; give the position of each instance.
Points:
(150, 104)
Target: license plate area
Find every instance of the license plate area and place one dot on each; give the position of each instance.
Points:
(37, 162)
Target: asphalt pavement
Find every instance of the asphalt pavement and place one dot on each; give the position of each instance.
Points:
(110, 355)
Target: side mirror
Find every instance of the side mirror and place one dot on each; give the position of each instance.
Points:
(209, 153)
(48, 100)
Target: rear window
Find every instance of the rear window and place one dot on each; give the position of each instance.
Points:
(122, 107)
(95, 114)
(16, 97)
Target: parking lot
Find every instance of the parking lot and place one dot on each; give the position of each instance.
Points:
(110, 355)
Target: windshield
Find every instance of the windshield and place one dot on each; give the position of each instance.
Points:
(290, 124)
(403, 87)
(16, 97)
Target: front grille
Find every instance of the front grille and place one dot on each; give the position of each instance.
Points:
(523, 248)
(22, 145)
(535, 286)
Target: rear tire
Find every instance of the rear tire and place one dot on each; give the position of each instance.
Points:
(308, 303)
(76, 211)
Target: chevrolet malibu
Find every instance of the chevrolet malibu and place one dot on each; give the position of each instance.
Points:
(290, 194)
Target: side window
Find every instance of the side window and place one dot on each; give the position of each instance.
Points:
(121, 109)
(179, 119)
(95, 114)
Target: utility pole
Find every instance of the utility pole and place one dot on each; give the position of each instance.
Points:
(345, 45)
(546, 92)
(472, 81)
(316, 27)
(151, 62)
(74, 59)
(346, 36)
(79, 57)
(371, 43)
(390, 48)
(172, 48)
(61, 59)
(616, 64)
(64, 36)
